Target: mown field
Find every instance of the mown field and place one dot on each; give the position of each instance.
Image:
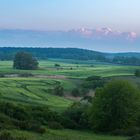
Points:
(71, 69)
(36, 90)
(33, 91)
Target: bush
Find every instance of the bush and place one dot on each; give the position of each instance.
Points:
(5, 135)
(91, 78)
(57, 65)
(127, 132)
(55, 125)
(136, 137)
(26, 75)
(94, 82)
(76, 117)
(30, 125)
(5, 122)
(133, 131)
(37, 128)
(2, 75)
(59, 90)
(75, 92)
(69, 123)
(137, 73)
(115, 106)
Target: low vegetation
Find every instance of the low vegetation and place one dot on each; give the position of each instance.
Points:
(116, 106)
(44, 100)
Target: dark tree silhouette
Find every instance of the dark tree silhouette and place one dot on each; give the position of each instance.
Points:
(25, 61)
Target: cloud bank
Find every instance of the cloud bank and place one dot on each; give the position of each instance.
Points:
(100, 39)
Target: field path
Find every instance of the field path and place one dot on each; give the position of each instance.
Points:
(61, 77)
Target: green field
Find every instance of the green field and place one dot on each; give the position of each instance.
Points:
(80, 70)
(33, 91)
(36, 90)
(66, 135)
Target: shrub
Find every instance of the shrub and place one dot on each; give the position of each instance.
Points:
(2, 75)
(94, 82)
(30, 125)
(76, 117)
(37, 128)
(115, 106)
(5, 122)
(75, 92)
(5, 135)
(26, 75)
(69, 123)
(132, 131)
(137, 73)
(57, 65)
(59, 90)
(127, 132)
(55, 125)
(136, 137)
(91, 78)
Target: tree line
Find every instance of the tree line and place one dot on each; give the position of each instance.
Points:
(8, 53)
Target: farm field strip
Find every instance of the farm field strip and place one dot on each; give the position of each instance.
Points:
(32, 90)
(82, 71)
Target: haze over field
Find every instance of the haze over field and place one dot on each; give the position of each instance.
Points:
(111, 26)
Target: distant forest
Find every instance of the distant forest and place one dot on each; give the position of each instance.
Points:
(8, 53)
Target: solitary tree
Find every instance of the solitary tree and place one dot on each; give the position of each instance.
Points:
(25, 61)
(137, 73)
(115, 106)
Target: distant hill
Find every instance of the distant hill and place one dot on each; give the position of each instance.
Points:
(7, 53)
(127, 54)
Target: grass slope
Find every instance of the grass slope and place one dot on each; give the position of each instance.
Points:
(33, 91)
(65, 135)
(79, 70)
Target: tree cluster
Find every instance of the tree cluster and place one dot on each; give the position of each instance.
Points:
(25, 61)
(115, 106)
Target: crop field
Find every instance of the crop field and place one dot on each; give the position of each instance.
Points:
(71, 69)
(37, 90)
(32, 91)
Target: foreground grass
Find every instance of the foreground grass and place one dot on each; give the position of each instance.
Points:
(65, 135)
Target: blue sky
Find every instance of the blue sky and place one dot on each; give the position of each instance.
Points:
(123, 15)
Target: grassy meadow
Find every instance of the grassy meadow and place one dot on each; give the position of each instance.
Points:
(71, 69)
(36, 90)
(66, 135)
(32, 91)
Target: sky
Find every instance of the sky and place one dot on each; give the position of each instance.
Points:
(119, 16)
(123, 15)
